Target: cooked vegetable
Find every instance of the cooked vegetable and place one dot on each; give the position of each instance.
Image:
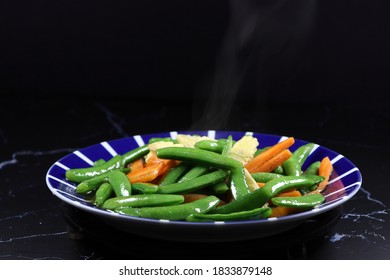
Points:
(143, 200)
(174, 174)
(306, 201)
(293, 165)
(120, 183)
(104, 192)
(146, 188)
(197, 156)
(268, 154)
(260, 197)
(255, 214)
(174, 212)
(81, 174)
(325, 170)
(194, 184)
(198, 179)
(194, 172)
(264, 177)
(274, 162)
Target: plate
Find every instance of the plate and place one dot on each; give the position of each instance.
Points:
(344, 183)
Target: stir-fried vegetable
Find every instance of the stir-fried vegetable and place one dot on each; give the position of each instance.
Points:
(198, 179)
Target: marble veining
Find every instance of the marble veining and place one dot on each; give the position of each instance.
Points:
(373, 219)
(371, 215)
(16, 155)
(23, 257)
(32, 236)
(28, 213)
(368, 196)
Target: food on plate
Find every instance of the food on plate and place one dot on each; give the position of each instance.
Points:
(199, 179)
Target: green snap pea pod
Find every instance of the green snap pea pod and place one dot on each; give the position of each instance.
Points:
(120, 183)
(143, 200)
(194, 172)
(99, 162)
(259, 197)
(264, 177)
(305, 201)
(194, 184)
(312, 169)
(175, 173)
(104, 192)
(291, 167)
(198, 157)
(134, 154)
(278, 170)
(227, 147)
(210, 145)
(254, 214)
(143, 188)
(238, 184)
(215, 146)
(92, 184)
(79, 175)
(302, 153)
(219, 188)
(173, 212)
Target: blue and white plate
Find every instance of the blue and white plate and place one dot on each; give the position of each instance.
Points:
(343, 184)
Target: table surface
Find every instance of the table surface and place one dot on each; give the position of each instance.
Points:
(36, 131)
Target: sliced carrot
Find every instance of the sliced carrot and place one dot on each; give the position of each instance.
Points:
(151, 171)
(292, 193)
(137, 164)
(146, 174)
(167, 164)
(325, 170)
(152, 158)
(273, 162)
(260, 184)
(271, 152)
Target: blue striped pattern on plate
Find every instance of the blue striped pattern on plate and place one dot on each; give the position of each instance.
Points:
(344, 183)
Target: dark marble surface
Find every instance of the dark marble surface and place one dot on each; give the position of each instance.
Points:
(36, 131)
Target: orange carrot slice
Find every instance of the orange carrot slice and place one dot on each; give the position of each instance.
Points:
(273, 162)
(146, 174)
(271, 152)
(292, 193)
(325, 170)
(260, 184)
(136, 165)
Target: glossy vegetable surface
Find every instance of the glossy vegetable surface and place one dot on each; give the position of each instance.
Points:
(174, 212)
(203, 180)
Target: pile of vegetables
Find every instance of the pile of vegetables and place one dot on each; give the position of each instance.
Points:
(198, 179)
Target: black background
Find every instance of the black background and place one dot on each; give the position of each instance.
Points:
(169, 48)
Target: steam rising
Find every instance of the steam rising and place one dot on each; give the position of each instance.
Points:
(266, 39)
